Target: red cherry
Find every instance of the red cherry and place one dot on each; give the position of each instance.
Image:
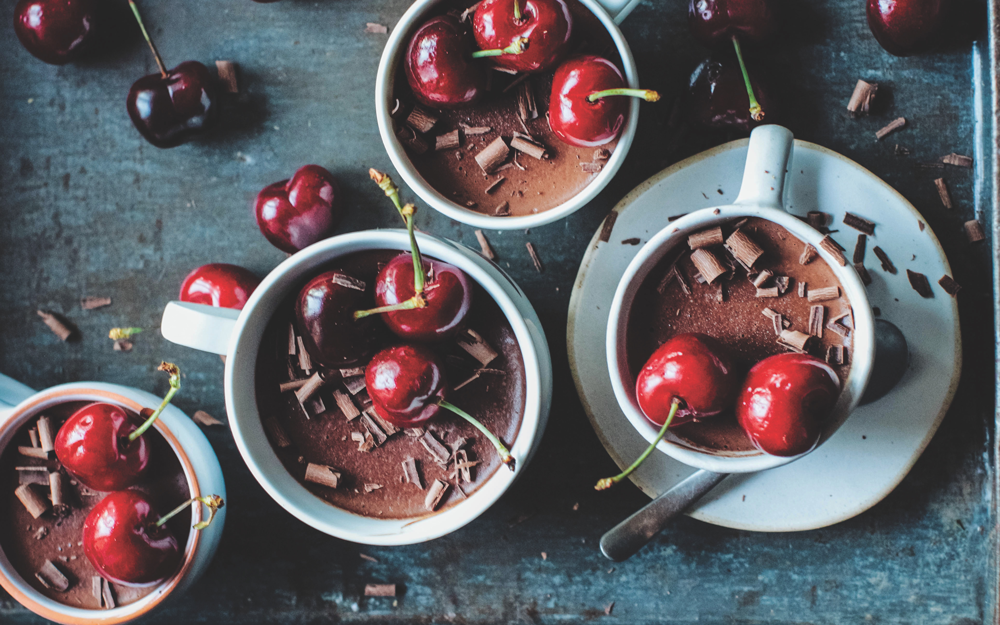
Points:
(56, 31)
(546, 24)
(717, 97)
(906, 27)
(324, 312)
(440, 67)
(448, 297)
(717, 21)
(785, 401)
(406, 384)
(295, 213)
(694, 368)
(219, 284)
(171, 108)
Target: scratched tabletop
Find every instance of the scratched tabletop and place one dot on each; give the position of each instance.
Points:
(87, 207)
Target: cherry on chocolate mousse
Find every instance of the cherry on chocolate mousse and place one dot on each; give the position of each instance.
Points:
(717, 96)
(906, 27)
(440, 67)
(56, 31)
(103, 447)
(219, 284)
(546, 24)
(127, 542)
(173, 106)
(448, 298)
(407, 385)
(785, 402)
(586, 109)
(295, 213)
(325, 314)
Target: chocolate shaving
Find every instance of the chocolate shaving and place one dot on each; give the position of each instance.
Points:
(743, 248)
(768, 292)
(34, 477)
(476, 346)
(374, 427)
(463, 468)
(835, 326)
(607, 226)
(367, 443)
(783, 283)
(435, 448)
(493, 155)
(380, 590)
(919, 283)
(530, 148)
(674, 273)
(527, 109)
(369, 488)
(97, 589)
(32, 452)
(862, 271)
(949, 285)
(884, 259)
(56, 493)
(276, 431)
(58, 327)
(502, 210)
(808, 254)
(824, 294)
(794, 340)
(421, 120)
(107, 594)
(41, 533)
(534, 257)
(601, 154)
(770, 314)
(861, 99)
(706, 238)
(322, 474)
(354, 385)
(469, 11)
(974, 231)
(352, 372)
(292, 385)
(817, 219)
(495, 184)
(802, 289)
(203, 418)
(346, 281)
(347, 407)
(472, 131)
(833, 249)
(447, 141)
(414, 432)
(435, 494)
(859, 223)
(378, 29)
(817, 315)
(859, 249)
(227, 75)
(900, 150)
(52, 578)
(708, 264)
(292, 343)
(90, 303)
(45, 437)
(305, 361)
(35, 504)
(761, 278)
(957, 160)
(310, 388)
(591, 168)
(123, 345)
(942, 189)
(778, 323)
(33, 435)
(410, 473)
(889, 128)
(835, 354)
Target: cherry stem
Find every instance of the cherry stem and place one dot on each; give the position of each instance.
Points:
(145, 35)
(417, 301)
(406, 212)
(123, 333)
(646, 94)
(520, 45)
(214, 502)
(608, 482)
(756, 112)
(505, 456)
(517, 10)
(175, 385)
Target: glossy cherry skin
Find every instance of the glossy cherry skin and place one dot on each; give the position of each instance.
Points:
(171, 110)
(448, 296)
(714, 22)
(785, 401)
(695, 368)
(93, 445)
(439, 65)
(905, 27)
(405, 384)
(295, 213)
(324, 314)
(546, 24)
(56, 31)
(219, 284)
(577, 121)
(717, 96)
(122, 542)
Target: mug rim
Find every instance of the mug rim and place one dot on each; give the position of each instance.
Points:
(384, 83)
(20, 589)
(256, 448)
(649, 256)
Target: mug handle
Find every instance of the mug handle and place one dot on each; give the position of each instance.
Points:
(12, 393)
(618, 9)
(767, 160)
(206, 328)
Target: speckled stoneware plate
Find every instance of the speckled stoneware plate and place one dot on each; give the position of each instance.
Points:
(872, 452)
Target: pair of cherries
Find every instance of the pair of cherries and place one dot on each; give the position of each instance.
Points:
(106, 450)
(781, 404)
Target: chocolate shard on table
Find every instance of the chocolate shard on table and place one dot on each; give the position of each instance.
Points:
(919, 283)
(884, 259)
(861, 98)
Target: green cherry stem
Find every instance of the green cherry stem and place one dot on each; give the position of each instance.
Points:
(149, 40)
(608, 482)
(756, 112)
(505, 456)
(520, 45)
(646, 94)
(214, 502)
(175, 385)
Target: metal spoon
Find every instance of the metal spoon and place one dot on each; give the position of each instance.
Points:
(625, 539)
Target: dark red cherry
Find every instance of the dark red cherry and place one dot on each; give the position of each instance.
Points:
(448, 294)
(219, 284)
(171, 109)
(295, 213)
(714, 22)
(546, 24)
(906, 27)
(56, 31)
(439, 65)
(717, 96)
(785, 402)
(324, 313)
(406, 384)
(694, 368)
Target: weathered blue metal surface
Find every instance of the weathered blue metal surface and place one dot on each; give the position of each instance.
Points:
(88, 208)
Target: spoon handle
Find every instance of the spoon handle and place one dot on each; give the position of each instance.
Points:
(623, 540)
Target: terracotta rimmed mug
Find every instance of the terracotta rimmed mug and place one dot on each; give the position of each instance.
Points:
(609, 12)
(238, 334)
(760, 196)
(19, 404)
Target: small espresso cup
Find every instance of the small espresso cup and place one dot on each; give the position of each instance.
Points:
(760, 196)
(19, 405)
(238, 335)
(609, 12)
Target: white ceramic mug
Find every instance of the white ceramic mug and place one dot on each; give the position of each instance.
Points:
(238, 334)
(19, 404)
(760, 196)
(609, 12)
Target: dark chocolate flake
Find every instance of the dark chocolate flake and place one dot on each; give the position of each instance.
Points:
(949, 285)
(919, 283)
(859, 223)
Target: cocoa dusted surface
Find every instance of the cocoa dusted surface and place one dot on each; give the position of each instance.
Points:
(164, 483)
(541, 184)
(497, 400)
(737, 322)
